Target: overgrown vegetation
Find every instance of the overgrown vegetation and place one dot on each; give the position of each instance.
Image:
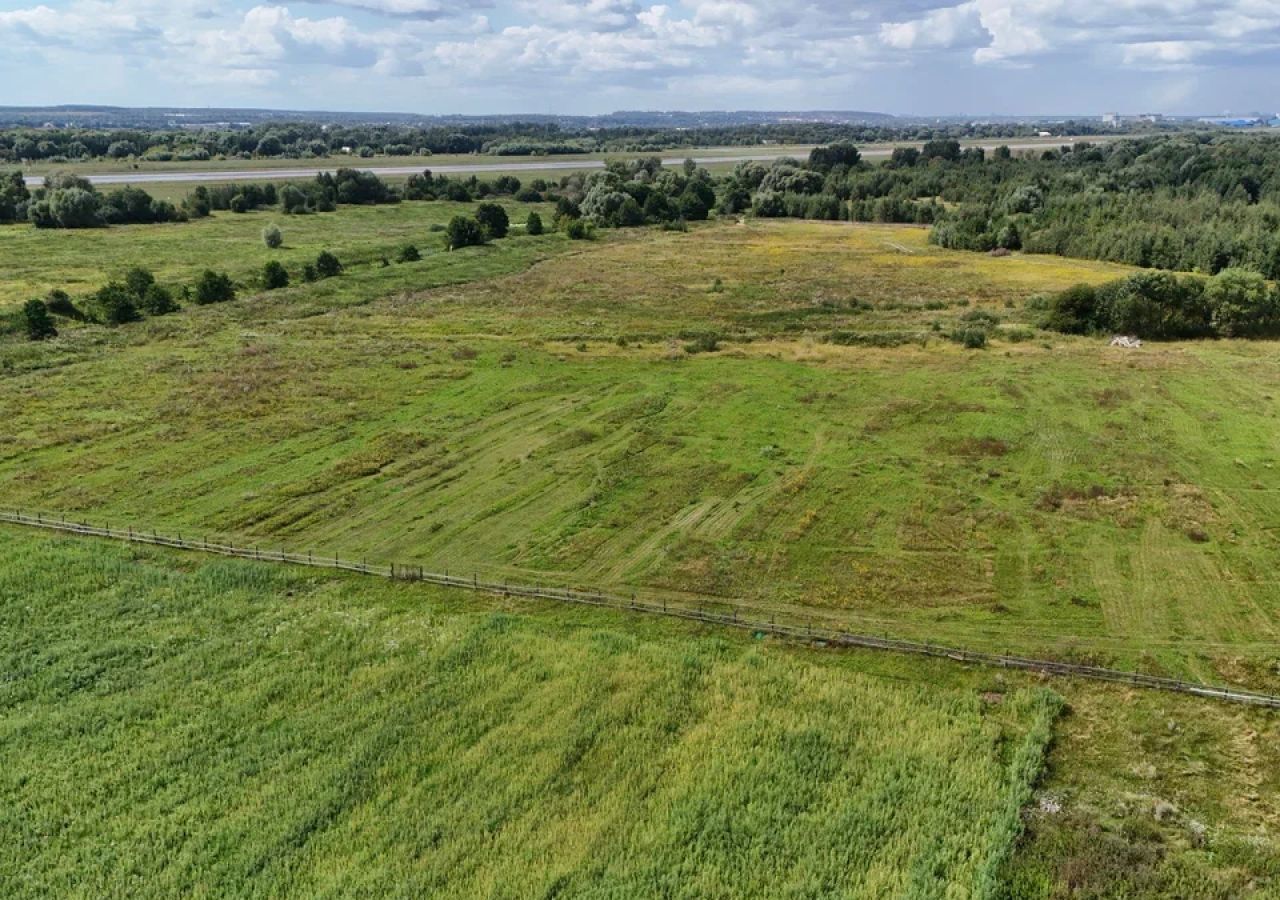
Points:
(283, 733)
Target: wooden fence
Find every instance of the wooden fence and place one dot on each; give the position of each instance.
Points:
(666, 607)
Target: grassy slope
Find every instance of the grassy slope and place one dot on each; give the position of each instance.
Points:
(176, 725)
(1033, 496)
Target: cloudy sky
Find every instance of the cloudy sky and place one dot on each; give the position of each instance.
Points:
(587, 56)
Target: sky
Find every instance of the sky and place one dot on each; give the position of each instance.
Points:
(920, 57)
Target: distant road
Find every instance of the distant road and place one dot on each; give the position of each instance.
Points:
(208, 175)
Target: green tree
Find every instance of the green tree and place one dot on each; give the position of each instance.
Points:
(534, 224)
(38, 321)
(1241, 304)
(273, 237)
(493, 219)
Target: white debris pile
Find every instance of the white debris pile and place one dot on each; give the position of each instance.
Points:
(1123, 340)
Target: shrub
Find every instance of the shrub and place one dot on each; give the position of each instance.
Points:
(157, 300)
(138, 280)
(274, 276)
(972, 338)
(493, 219)
(464, 231)
(579, 230)
(38, 322)
(214, 287)
(534, 224)
(703, 343)
(273, 237)
(113, 304)
(309, 273)
(59, 303)
(408, 253)
(327, 265)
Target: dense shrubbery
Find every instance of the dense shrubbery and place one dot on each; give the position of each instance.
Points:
(1160, 305)
(69, 201)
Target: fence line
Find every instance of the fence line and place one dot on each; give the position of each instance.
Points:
(677, 609)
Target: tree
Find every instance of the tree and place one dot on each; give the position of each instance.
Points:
(327, 265)
(493, 219)
(464, 231)
(13, 196)
(214, 287)
(274, 276)
(534, 224)
(38, 321)
(273, 237)
(1241, 304)
(824, 159)
(67, 208)
(1074, 311)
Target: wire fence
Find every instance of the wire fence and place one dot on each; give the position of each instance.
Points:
(682, 609)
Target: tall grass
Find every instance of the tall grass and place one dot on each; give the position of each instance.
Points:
(174, 726)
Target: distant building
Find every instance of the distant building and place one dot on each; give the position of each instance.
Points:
(1111, 118)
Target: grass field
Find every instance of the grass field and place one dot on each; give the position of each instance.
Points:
(529, 409)
(79, 261)
(174, 724)
(1035, 496)
(183, 726)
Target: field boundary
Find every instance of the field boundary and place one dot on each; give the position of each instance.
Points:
(675, 609)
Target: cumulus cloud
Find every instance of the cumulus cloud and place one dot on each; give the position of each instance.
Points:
(754, 50)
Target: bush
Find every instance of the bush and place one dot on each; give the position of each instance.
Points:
(214, 287)
(273, 237)
(113, 304)
(493, 219)
(327, 265)
(274, 276)
(534, 224)
(408, 253)
(38, 322)
(138, 280)
(972, 338)
(157, 300)
(579, 230)
(59, 303)
(309, 273)
(464, 231)
(703, 343)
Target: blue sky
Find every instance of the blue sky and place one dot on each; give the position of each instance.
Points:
(588, 56)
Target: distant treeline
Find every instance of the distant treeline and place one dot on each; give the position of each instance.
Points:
(1191, 202)
(300, 140)
(71, 201)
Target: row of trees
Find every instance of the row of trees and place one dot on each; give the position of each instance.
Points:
(309, 140)
(1161, 305)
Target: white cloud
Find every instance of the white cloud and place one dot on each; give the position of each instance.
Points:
(557, 53)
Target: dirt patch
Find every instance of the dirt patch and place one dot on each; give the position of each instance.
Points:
(975, 447)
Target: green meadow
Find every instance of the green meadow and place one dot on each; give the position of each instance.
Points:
(767, 415)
